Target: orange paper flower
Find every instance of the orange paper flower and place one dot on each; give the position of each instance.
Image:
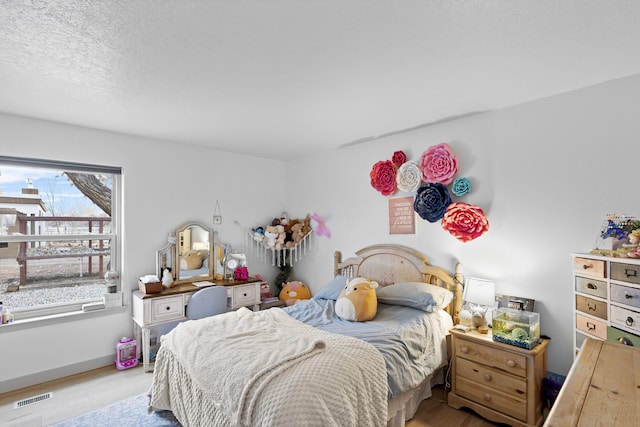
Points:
(465, 222)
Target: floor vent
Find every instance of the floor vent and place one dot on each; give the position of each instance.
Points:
(31, 400)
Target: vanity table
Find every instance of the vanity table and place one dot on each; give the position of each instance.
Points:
(169, 306)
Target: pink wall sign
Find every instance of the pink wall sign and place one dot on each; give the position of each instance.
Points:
(401, 215)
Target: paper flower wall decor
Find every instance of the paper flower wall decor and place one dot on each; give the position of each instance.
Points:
(460, 186)
(409, 177)
(383, 177)
(464, 221)
(439, 164)
(399, 158)
(432, 200)
(433, 178)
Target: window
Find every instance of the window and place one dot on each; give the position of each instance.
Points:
(59, 227)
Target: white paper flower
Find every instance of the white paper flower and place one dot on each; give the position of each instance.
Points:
(408, 177)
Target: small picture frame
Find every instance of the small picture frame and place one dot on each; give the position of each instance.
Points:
(518, 303)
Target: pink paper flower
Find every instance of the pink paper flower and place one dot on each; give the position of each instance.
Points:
(383, 177)
(399, 158)
(439, 164)
(465, 222)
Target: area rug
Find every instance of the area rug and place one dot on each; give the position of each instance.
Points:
(128, 412)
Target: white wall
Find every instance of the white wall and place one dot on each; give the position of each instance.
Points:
(545, 172)
(165, 185)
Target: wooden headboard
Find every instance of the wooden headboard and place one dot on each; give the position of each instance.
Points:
(389, 264)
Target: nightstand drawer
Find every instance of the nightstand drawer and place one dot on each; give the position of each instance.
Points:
(490, 356)
(496, 400)
(591, 326)
(507, 383)
(591, 267)
(591, 286)
(625, 295)
(167, 308)
(591, 306)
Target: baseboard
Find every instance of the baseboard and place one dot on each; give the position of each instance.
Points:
(54, 374)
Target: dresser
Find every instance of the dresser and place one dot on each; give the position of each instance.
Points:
(501, 382)
(606, 299)
(169, 306)
(602, 388)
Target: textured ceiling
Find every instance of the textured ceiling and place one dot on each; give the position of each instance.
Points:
(290, 78)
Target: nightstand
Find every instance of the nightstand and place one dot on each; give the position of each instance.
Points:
(501, 382)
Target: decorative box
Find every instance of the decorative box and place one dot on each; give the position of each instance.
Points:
(150, 287)
(516, 327)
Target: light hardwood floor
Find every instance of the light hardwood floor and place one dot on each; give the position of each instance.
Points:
(91, 390)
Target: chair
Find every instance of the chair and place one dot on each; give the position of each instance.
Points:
(207, 302)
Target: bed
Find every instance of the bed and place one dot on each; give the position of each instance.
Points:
(303, 366)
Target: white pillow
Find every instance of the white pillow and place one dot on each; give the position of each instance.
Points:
(420, 295)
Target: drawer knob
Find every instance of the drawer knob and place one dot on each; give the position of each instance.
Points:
(629, 321)
(167, 308)
(245, 294)
(591, 286)
(591, 306)
(591, 326)
(465, 349)
(630, 273)
(628, 296)
(587, 266)
(511, 363)
(487, 397)
(487, 376)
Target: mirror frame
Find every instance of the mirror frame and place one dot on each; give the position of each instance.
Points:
(161, 259)
(176, 255)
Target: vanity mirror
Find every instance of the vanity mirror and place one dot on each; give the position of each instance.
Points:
(193, 254)
(164, 259)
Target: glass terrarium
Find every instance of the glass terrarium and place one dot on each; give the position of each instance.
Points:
(516, 327)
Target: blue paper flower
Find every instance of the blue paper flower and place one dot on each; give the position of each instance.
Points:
(431, 201)
(460, 186)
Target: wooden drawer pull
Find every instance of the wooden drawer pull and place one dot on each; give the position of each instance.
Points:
(487, 397)
(487, 376)
(465, 350)
(591, 286)
(511, 363)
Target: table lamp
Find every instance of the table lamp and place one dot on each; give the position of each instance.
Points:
(479, 295)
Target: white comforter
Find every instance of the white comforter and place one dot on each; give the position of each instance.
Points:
(265, 368)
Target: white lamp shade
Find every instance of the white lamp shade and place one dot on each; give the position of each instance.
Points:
(479, 291)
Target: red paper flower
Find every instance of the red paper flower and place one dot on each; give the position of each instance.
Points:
(439, 164)
(383, 177)
(399, 158)
(465, 222)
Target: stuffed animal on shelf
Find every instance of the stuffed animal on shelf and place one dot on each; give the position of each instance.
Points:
(270, 236)
(293, 292)
(358, 301)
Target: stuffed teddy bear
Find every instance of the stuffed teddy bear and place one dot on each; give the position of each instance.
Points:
(294, 291)
(191, 261)
(358, 301)
(270, 236)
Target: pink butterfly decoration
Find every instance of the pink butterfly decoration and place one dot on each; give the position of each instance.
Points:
(321, 229)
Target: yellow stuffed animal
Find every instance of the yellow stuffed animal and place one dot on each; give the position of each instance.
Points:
(358, 301)
(294, 291)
